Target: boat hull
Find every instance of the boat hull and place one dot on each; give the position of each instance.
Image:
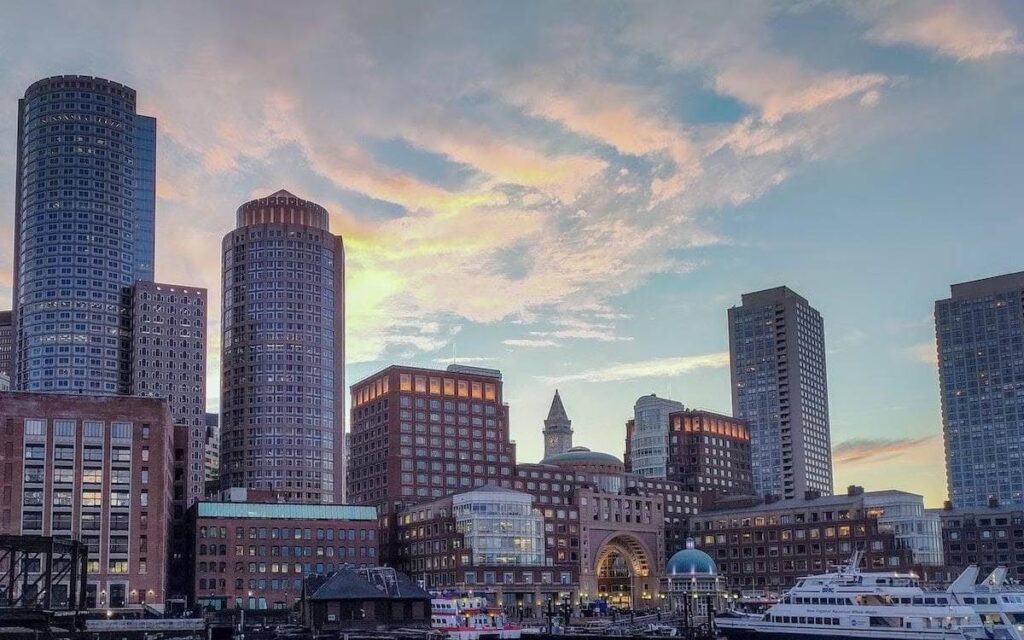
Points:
(766, 633)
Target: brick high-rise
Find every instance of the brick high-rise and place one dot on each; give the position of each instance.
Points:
(710, 453)
(169, 361)
(283, 351)
(420, 434)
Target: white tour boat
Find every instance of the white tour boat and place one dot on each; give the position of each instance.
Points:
(471, 619)
(998, 600)
(849, 604)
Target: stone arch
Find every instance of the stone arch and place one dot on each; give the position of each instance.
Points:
(638, 559)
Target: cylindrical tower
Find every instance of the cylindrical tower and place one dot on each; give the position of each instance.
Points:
(283, 351)
(76, 213)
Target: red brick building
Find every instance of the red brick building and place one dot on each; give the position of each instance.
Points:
(98, 469)
(419, 434)
(990, 536)
(255, 555)
(710, 452)
(489, 541)
(767, 547)
(422, 434)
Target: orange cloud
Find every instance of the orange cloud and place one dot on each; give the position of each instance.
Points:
(911, 464)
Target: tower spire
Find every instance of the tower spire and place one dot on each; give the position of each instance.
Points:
(557, 428)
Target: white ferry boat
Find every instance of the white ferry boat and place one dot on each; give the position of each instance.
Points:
(850, 604)
(998, 600)
(471, 619)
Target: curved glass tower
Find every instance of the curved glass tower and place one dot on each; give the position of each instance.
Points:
(283, 388)
(84, 215)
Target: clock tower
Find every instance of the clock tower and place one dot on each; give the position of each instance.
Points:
(557, 429)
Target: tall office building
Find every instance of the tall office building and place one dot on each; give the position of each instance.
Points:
(777, 352)
(83, 223)
(283, 356)
(980, 333)
(647, 436)
(169, 362)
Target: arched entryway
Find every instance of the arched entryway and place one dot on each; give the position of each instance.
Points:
(622, 567)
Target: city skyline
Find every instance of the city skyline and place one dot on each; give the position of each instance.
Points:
(581, 213)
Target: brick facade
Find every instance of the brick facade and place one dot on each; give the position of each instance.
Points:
(255, 555)
(95, 468)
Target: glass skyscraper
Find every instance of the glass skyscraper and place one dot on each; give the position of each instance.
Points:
(777, 353)
(145, 197)
(283, 351)
(648, 438)
(980, 335)
(84, 217)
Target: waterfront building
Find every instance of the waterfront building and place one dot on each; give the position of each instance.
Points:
(710, 453)
(283, 356)
(80, 244)
(647, 436)
(989, 536)
(692, 585)
(487, 541)
(253, 555)
(96, 469)
(917, 530)
(371, 599)
(980, 335)
(605, 532)
(420, 434)
(779, 386)
(768, 546)
(557, 428)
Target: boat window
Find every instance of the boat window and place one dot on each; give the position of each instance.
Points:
(968, 600)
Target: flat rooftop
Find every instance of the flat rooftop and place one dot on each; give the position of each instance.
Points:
(987, 286)
(281, 511)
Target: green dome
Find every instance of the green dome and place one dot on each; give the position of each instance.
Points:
(691, 561)
(581, 454)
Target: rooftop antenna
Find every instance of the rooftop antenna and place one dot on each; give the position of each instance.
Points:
(454, 343)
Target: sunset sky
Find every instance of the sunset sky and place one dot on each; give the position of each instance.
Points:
(575, 192)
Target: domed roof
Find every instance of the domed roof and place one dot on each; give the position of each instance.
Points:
(581, 454)
(691, 561)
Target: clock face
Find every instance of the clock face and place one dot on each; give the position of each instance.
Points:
(552, 441)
